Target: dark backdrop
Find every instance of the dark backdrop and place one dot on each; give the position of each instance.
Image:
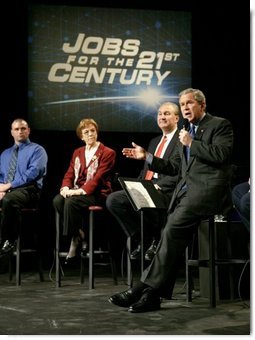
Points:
(220, 68)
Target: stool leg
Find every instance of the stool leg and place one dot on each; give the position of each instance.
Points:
(142, 241)
(230, 256)
(10, 266)
(38, 249)
(40, 268)
(212, 250)
(58, 278)
(114, 271)
(82, 271)
(188, 278)
(129, 271)
(113, 265)
(91, 249)
(18, 276)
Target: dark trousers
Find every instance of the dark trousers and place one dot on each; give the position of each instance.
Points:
(129, 219)
(72, 211)
(11, 205)
(176, 236)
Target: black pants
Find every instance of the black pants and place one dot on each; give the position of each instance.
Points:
(72, 211)
(129, 219)
(11, 204)
(176, 236)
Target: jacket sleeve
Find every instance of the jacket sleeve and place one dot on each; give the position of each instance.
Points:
(169, 166)
(216, 144)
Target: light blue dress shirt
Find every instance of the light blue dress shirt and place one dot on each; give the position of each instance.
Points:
(31, 165)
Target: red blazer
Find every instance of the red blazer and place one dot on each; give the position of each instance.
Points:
(95, 177)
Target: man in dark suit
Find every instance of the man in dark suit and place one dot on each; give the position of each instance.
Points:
(242, 202)
(203, 189)
(118, 203)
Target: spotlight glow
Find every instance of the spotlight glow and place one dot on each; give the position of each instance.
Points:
(150, 97)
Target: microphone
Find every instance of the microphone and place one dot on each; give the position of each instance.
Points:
(186, 124)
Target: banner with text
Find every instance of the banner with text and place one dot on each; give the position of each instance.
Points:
(114, 65)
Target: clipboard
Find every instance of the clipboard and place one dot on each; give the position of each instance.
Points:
(142, 193)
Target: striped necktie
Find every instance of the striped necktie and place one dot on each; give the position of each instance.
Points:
(12, 164)
(149, 173)
(192, 132)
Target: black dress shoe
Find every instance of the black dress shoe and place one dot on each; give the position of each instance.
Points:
(148, 302)
(7, 247)
(150, 253)
(70, 260)
(84, 249)
(136, 254)
(126, 298)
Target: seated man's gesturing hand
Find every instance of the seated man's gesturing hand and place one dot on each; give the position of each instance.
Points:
(137, 152)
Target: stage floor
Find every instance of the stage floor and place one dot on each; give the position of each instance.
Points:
(39, 308)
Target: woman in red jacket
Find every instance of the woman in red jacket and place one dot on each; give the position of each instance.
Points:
(87, 182)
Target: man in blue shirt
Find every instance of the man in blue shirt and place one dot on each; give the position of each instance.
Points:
(21, 181)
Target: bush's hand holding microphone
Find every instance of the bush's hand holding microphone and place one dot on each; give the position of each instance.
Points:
(184, 136)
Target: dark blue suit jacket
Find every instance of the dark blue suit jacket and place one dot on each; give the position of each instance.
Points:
(207, 174)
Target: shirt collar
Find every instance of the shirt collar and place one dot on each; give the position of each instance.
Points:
(170, 134)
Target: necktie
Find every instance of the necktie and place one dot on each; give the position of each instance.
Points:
(149, 174)
(13, 164)
(192, 132)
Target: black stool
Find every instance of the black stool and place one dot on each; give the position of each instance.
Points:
(22, 250)
(211, 260)
(91, 253)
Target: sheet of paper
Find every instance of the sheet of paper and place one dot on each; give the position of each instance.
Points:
(140, 195)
